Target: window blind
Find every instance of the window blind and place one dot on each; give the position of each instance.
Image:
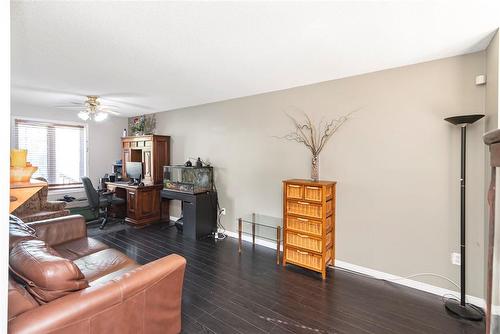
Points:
(58, 150)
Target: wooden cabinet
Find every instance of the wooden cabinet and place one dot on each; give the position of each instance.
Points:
(143, 203)
(153, 151)
(309, 224)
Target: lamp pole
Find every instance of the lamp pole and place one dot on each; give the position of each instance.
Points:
(461, 308)
(463, 135)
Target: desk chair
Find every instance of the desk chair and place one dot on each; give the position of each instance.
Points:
(100, 200)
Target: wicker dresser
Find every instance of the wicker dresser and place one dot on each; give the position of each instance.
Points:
(309, 224)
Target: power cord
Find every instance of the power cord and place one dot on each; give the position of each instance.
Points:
(222, 235)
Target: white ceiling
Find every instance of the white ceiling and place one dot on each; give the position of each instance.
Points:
(157, 56)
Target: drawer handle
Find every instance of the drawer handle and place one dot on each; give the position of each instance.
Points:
(312, 188)
(302, 236)
(303, 253)
(293, 186)
(303, 203)
(303, 220)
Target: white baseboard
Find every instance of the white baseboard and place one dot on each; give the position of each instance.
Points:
(245, 237)
(380, 275)
(261, 242)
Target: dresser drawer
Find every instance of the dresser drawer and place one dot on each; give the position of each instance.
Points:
(303, 241)
(294, 191)
(303, 258)
(313, 193)
(304, 224)
(304, 209)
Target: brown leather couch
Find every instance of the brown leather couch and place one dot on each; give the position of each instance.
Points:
(62, 281)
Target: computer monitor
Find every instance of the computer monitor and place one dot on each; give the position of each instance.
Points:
(134, 170)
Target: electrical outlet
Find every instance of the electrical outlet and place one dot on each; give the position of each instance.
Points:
(223, 211)
(455, 259)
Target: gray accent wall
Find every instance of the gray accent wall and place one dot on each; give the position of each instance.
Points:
(396, 162)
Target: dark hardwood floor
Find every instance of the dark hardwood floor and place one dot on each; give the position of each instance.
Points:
(228, 293)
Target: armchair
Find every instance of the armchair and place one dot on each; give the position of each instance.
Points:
(100, 201)
(39, 208)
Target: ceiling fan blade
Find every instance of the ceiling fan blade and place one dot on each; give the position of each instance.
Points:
(123, 102)
(72, 107)
(108, 106)
(110, 112)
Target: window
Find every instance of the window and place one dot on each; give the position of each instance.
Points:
(58, 150)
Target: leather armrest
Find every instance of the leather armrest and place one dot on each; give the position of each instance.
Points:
(56, 231)
(151, 293)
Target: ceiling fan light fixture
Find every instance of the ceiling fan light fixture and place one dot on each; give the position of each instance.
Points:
(83, 115)
(92, 110)
(100, 116)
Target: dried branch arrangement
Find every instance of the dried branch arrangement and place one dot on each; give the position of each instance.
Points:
(315, 138)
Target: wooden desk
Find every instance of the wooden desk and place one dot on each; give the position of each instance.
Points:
(143, 203)
(20, 192)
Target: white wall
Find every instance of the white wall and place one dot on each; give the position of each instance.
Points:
(396, 162)
(4, 152)
(103, 137)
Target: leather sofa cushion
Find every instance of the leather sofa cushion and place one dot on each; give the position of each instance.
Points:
(47, 275)
(19, 231)
(60, 230)
(102, 263)
(20, 300)
(78, 248)
(114, 275)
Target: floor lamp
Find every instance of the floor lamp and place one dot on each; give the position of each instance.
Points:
(460, 307)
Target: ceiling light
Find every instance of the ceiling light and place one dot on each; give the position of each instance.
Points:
(91, 109)
(101, 116)
(83, 115)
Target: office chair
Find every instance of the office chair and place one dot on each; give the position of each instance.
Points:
(100, 200)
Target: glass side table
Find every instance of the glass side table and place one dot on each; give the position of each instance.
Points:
(265, 227)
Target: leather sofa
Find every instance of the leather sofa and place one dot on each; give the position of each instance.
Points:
(62, 281)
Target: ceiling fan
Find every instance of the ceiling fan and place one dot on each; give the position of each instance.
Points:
(92, 109)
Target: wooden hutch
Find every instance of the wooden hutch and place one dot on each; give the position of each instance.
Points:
(143, 202)
(309, 224)
(153, 151)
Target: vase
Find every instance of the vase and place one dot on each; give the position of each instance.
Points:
(315, 168)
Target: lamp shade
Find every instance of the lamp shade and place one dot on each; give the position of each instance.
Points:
(464, 119)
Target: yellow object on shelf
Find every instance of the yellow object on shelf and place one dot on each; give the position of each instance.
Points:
(18, 157)
(21, 174)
